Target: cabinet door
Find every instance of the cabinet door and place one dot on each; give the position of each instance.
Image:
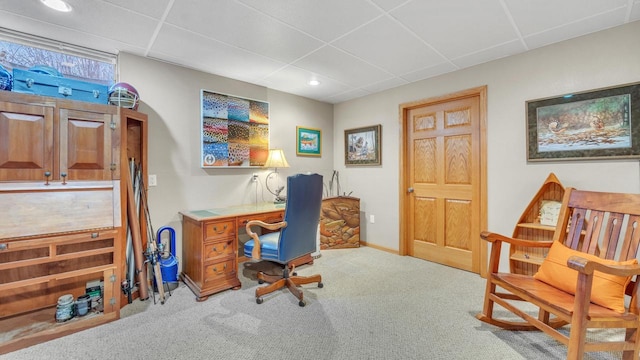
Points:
(86, 146)
(26, 141)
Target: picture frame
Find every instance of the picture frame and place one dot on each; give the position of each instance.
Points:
(234, 131)
(308, 141)
(363, 146)
(591, 125)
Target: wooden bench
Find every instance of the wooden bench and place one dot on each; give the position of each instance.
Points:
(606, 225)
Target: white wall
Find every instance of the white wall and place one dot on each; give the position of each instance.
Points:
(171, 97)
(603, 59)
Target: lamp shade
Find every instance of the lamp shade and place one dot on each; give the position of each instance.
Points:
(276, 159)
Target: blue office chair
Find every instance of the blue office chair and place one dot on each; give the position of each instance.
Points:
(296, 237)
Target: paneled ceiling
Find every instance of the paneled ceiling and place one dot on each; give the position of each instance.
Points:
(352, 47)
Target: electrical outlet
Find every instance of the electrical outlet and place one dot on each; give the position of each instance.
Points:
(254, 177)
(153, 180)
(372, 219)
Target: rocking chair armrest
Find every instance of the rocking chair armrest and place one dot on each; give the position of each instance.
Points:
(255, 253)
(493, 237)
(585, 266)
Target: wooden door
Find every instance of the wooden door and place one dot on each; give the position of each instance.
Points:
(86, 146)
(443, 206)
(26, 141)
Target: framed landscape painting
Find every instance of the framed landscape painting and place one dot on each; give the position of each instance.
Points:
(598, 124)
(309, 141)
(362, 146)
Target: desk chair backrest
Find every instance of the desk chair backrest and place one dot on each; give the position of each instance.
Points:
(302, 214)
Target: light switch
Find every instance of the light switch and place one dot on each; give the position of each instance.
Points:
(153, 180)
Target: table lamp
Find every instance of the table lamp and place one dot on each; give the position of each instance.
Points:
(276, 160)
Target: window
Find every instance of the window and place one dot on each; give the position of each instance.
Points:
(24, 51)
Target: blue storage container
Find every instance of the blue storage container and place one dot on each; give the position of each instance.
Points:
(37, 83)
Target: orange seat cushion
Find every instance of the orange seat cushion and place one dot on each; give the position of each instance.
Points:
(607, 290)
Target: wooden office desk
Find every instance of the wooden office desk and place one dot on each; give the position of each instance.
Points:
(210, 254)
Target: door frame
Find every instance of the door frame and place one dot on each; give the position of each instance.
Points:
(481, 92)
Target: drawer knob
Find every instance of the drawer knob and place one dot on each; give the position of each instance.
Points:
(224, 247)
(224, 267)
(215, 228)
(3, 246)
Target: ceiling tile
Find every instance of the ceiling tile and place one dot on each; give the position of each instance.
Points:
(242, 27)
(635, 11)
(336, 64)
(325, 20)
(88, 16)
(389, 4)
(292, 78)
(575, 29)
(496, 52)
(386, 44)
(348, 95)
(385, 85)
(456, 28)
(71, 36)
(199, 52)
(430, 72)
(152, 8)
(534, 16)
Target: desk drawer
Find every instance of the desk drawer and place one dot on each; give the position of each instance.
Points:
(217, 250)
(218, 271)
(220, 229)
(270, 218)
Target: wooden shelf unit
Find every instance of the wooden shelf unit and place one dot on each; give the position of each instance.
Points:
(61, 223)
(525, 260)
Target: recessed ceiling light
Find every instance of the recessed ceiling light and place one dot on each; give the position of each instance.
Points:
(58, 5)
(314, 82)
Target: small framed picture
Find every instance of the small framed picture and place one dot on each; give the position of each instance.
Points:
(309, 141)
(362, 146)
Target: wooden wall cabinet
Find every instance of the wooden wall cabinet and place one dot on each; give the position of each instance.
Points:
(62, 214)
(65, 138)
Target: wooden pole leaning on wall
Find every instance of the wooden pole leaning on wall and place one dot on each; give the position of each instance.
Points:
(134, 224)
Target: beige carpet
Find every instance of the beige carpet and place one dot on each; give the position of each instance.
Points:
(374, 305)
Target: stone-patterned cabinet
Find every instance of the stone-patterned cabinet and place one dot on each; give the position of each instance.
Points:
(340, 223)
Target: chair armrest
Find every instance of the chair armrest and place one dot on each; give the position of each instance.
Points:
(255, 253)
(493, 237)
(585, 266)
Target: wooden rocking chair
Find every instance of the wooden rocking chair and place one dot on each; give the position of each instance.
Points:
(597, 237)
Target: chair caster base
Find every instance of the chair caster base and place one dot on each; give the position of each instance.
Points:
(320, 285)
(301, 303)
(259, 300)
